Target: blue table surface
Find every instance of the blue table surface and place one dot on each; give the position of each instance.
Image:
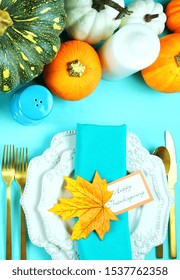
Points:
(130, 101)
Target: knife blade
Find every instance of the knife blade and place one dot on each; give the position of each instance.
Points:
(172, 179)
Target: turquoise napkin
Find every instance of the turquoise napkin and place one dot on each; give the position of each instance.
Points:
(103, 149)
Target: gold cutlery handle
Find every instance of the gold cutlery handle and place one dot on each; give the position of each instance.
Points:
(8, 225)
(159, 251)
(23, 233)
(23, 236)
(172, 229)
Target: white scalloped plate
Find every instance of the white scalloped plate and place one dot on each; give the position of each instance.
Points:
(38, 166)
(148, 224)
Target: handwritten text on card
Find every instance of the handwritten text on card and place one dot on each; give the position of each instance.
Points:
(129, 192)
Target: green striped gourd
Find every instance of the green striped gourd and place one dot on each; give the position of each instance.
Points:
(29, 39)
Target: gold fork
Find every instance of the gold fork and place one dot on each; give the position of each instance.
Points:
(20, 176)
(8, 172)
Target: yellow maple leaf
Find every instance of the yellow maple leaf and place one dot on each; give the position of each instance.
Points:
(88, 204)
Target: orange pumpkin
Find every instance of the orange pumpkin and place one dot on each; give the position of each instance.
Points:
(173, 15)
(75, 72)
(164, 74)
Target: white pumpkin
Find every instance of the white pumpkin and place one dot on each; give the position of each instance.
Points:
(90, 23)
(147, 12)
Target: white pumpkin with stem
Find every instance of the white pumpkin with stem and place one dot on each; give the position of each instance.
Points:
(93, 20)
(146, 12)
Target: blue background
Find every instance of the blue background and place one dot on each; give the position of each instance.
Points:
(130, 101)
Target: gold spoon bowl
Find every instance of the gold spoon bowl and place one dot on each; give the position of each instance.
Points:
(163, 153)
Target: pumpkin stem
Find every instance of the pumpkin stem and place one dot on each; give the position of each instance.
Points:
(5, 21)
(177, 58)
(149, 17)
(76, 68)
(99, 5)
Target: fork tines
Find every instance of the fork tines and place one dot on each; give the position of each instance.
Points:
(8, 157)
(21, 159)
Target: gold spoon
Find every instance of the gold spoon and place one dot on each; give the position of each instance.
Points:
(162, 153)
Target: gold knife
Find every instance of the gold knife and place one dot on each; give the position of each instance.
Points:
(172, 179)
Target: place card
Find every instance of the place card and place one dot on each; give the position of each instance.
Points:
(130, 192)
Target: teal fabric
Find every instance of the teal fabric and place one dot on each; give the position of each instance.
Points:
(103, 149)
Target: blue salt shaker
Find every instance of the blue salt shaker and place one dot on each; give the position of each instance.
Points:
(31, 105)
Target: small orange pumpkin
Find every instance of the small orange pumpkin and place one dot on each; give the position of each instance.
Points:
(75, 72)
(173, 15)
(164, 74)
